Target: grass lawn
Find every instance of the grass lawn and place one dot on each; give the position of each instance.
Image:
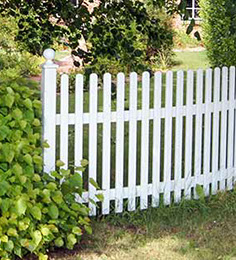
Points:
(191, 60)
(193, 230)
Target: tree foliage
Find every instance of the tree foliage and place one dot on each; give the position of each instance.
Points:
(219, 27)
(112, 29)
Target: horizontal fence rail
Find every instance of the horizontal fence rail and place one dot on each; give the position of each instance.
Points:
(148, 141)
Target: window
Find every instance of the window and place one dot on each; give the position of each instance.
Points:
(74, 2)
(193, 9)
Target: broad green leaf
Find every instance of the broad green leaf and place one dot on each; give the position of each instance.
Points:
(22, 124)
(37, 160)
(45, 231)
(28, 159)
(11, 232)
(4, 187)
(94, 183)
(36, 122)
(77, 231)
(9, 246)
(60, 163)
(200, 192)
(17, 169)
(36, 212)
(53, 211)
(57, 197)
(9, 100)
(28, 103)
(71, 241)
(21, 206)
(100, 197)
(84, 162)
(42, 256)
(59, 242)
(17, 114)
(37, 237)
(4, 132)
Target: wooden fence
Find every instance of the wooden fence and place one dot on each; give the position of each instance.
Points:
(160, 136)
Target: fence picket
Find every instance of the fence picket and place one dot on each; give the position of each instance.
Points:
(106, 150)
(168, 137)
(49, 86)
(120, 141)
(189, 130)
(178, 136)
(215, 144)
(198, 131)
(207, 133)
(224, 91)
(93, 103)
(231, 130)
(145, 140)
(64, 120)
(132, 141)
(218, 149)
(156, 139)
(79, 85)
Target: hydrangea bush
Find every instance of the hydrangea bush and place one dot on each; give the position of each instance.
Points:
(37, 211)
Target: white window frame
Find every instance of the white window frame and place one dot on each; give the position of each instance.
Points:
(193, 9)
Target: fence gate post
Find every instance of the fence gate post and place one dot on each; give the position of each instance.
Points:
(49, 85)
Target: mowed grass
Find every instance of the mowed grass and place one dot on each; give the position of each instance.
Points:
(193, 230)
(194, 60)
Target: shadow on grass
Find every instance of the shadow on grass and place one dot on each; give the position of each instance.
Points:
(191, 230)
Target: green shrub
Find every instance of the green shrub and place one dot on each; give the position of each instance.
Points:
(37, 211)
(219, 29)
(11, 53)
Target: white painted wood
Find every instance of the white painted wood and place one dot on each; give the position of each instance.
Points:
(145, 140)
(64, 134)
(198, 131)
(132, 141)
(226, 106)
(188, 140)
(230, 159)
(156, 140)
(224, 91)
(119, 182)
(178, 135)
(49, 84)
(168, 137)
(79, 94)
(207, 133)
(106, 150)
(93, 103)
(215, 142)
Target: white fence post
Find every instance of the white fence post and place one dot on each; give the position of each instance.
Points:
(49, 83)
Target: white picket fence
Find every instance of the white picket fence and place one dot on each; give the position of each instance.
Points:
(195, 146)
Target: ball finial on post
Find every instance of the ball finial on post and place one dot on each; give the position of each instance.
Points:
(49, 55)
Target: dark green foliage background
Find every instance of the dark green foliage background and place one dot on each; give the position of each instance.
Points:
(219, 26)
